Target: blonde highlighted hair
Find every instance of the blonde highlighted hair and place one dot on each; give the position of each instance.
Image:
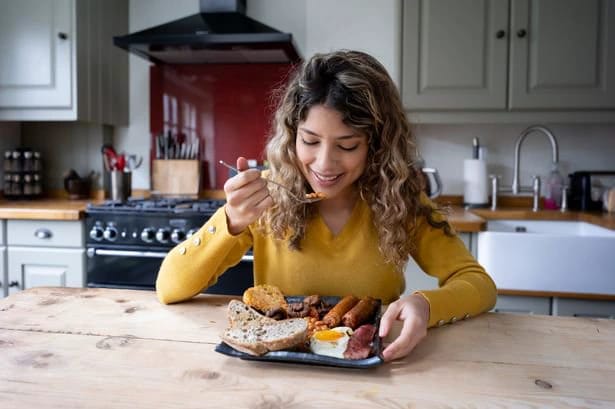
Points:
(359, 87)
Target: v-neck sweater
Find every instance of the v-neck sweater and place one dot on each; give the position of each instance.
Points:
(331, 264)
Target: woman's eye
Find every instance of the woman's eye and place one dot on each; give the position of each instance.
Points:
(349, 148)
(308, 142)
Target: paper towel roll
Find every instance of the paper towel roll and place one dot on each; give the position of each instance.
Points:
(475, 182)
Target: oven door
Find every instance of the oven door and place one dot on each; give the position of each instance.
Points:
(131, 268)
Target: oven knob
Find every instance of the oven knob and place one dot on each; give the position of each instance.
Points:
(178, 235)
(96, 233)
(148, 235)
(110, 233)
(163, 235)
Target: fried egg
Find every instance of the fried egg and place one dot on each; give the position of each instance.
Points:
(330, 342)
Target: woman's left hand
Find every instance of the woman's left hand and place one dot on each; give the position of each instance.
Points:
(413, 310)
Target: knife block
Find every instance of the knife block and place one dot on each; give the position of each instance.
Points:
(176, 177)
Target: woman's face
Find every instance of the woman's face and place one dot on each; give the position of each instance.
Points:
(332, 154)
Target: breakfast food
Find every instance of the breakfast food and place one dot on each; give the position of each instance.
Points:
(334, 316)
(329, 326)
(331, 342)
(360, 313)
(267, 299)
(315, 195)
(360, 343)
(255, 334)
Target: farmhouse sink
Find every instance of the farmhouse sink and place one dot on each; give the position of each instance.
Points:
(557, 256)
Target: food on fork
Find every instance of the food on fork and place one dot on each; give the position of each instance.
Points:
(315, 195)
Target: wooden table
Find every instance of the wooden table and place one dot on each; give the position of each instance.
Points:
(99, 348)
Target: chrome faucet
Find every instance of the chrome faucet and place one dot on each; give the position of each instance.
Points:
(516, 188)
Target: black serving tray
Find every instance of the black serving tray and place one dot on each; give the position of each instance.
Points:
(310, 358)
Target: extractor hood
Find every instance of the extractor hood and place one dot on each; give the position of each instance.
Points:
(220, 33)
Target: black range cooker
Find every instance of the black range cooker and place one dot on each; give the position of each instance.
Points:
(126, 242)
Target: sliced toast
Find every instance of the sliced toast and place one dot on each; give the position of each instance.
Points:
(255, 334)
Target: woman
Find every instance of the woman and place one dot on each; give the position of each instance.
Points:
(340, 129)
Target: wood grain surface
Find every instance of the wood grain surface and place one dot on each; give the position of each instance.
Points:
(102, 348)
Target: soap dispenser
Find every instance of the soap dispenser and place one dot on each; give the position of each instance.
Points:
(555, 183)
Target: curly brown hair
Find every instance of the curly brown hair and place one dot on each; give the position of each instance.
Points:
(359, 87)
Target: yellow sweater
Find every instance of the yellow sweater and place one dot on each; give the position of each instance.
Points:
(347, 263)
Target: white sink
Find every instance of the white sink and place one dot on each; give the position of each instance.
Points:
(559, 256)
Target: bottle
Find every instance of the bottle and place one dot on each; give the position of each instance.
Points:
(555, 183)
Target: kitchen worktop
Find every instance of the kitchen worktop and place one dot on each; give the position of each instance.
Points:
(106, 348)
(43, 209)
(463, 220)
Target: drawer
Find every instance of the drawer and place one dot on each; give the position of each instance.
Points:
(47, 233)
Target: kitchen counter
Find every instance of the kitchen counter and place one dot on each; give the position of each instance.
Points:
(464, 221)
(103, 348)
(43, 209)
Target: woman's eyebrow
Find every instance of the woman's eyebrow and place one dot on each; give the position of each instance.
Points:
(350, 136)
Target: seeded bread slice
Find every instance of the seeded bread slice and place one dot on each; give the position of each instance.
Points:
(255, 334)
(240, 313)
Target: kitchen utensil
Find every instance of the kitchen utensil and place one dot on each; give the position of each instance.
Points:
(133, 162)
(292, 194)
(120, 185)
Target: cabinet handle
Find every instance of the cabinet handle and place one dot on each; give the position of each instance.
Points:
(43, 233)
(14, 284)
(500, 34)
(62, 36)
(521, 33)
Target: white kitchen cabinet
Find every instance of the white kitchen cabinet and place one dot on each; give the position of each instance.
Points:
(415, 277)
(59, 63)
(583, 308)
(508, 55)
(45, 253)
(514, 304)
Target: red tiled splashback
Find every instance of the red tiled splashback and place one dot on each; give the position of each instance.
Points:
(228, 107)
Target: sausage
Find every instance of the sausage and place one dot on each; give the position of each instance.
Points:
(360, 313)
(335, 314)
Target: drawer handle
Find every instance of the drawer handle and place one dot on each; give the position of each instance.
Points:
(43, 233)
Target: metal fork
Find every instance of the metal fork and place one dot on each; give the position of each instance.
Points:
(292, 194)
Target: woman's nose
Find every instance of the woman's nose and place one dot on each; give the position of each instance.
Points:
(326, 156)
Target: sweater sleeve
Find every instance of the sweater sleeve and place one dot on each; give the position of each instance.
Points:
(197, 262)
(465, 288)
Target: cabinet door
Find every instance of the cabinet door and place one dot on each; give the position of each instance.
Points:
(565, 58)
(583, 308)
(35, 42)
(36, 267)
(523, 305)
(454, 54)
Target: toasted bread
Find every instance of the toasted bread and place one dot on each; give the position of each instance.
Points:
(255, 334)
(265, 298)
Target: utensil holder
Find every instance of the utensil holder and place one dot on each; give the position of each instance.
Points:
(176, 177)
(120, 185)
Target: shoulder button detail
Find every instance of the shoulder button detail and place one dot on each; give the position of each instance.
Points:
(182, 250)
(453, 320)
(211, 229)
(440, 323)
(196, 241)
(467, 316)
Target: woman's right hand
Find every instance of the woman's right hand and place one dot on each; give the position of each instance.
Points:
(247, 197)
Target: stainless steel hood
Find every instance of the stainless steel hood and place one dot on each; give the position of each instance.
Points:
(220, 33)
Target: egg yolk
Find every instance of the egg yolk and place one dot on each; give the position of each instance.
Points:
(328, 335)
